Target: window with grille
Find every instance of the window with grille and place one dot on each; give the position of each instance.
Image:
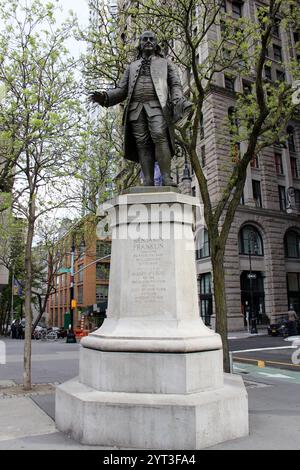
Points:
(250, 241)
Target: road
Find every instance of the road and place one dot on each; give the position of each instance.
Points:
(52, 362)
(260, 357)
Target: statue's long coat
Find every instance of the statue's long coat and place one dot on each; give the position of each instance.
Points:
(168, 88)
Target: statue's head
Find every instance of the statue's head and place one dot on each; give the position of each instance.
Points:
(148, 43)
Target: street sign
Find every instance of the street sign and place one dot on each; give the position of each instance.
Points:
(251, 276)
(64, 270)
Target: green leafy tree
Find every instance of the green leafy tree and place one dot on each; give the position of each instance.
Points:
(39, 119)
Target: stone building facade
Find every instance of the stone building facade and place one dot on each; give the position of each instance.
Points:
(263, 250)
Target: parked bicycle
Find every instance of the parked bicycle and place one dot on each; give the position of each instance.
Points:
(46, 335)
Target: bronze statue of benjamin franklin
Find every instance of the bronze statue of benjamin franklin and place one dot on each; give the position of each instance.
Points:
(155, 100)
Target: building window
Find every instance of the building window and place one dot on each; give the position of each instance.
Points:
(254, 162)
(237, 9)
(223, 7)
(247, 88)
(250, 241)
(294, 167)
(201, 126)
(205, 283)
(205, 297)
(257, 193)
(291, 139)
(268, 72)
(80, 274)
(282, 197)
(275, 29)
(297, 199)
(229, 83)
(102, 271)
(203, 248)
(292, 244)
(277, 53)
(101, 293)
(81, 249)
(278, 163)
(194, 191)
(280, 75)
(203, 160)
(102, 248)
(80, 295)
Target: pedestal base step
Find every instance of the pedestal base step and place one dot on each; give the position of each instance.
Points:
(153, 421)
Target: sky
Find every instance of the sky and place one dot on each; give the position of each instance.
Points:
(81, 9)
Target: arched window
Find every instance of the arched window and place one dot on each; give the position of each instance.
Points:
(291, 139)
(292, 244)
(250, 241)
(202, 245)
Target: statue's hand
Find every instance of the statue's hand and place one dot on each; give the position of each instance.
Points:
(99, 97)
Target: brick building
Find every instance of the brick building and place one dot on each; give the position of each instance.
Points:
(91, 277)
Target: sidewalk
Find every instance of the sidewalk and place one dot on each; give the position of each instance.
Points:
(27, 420)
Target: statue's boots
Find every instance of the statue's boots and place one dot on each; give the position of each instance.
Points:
(168, 181)
(147, 164)
(163, 158)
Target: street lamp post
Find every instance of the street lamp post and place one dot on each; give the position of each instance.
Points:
(71, 338)
(251, 276)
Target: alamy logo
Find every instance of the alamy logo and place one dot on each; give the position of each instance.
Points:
(168, 221)
(2, 352)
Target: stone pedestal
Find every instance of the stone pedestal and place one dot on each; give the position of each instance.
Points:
(152, 375)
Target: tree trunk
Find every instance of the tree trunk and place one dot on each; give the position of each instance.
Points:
(217, 260)
(27, 306)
